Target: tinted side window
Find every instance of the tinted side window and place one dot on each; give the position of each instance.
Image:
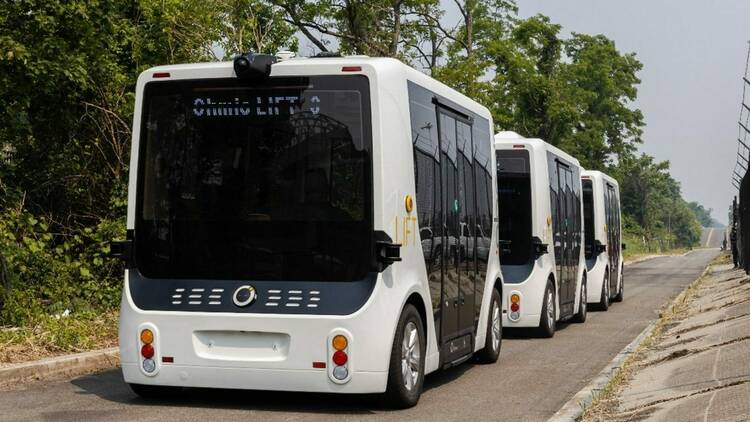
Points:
(424, 131)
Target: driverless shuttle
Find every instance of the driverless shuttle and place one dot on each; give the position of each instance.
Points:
(313, 224)
(603, 240)
(540, 232)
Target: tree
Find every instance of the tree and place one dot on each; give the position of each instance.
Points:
(702, 214)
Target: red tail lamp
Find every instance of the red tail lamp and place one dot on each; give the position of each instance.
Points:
(340, 358)
(514, 307)
(147, 351)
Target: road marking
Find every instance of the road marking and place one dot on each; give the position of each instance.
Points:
(710, 233)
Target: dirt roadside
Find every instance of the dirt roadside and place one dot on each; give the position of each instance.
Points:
(695, 367)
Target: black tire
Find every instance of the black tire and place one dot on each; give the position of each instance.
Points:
(603, 304)
(155, 391)
(494, 337)
(580, 316)
(547, 319)
(620, 291)
(397, 394)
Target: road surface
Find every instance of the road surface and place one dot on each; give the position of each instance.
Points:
(532, 380)
(711, 237)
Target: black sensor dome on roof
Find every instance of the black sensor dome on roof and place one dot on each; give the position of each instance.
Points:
(253, 66)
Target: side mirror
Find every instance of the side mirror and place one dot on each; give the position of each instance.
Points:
(624, 246)
(539, 247)
(386, 252)
(599, 248)
(122, 250)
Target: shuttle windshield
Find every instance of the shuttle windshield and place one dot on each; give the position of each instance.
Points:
(255, 181)
(588, 218)
(514, 205)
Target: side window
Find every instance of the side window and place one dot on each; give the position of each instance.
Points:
(482, 143)
(467, 199)
(424, 134)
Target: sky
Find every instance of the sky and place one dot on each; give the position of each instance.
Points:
(693, 54)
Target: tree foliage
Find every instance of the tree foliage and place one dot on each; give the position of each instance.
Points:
(67, 77)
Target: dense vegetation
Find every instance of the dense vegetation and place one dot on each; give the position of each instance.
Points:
(67, 76)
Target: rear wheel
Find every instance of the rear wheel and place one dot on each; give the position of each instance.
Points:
(155, 391)
(406, 370)
(580, 317)
(620, 291)
(548, 316)
(604, 299)
(494, 337)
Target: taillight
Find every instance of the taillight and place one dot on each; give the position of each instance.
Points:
(146, 339)
(515, 307)
(340, 358)
(147, 351)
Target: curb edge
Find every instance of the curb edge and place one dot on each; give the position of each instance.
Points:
(66, 365)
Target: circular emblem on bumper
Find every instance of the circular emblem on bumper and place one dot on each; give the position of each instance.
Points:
(244, 295)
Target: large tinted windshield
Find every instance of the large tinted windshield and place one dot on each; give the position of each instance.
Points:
(514, 206)
(588, 218)
(265, 181)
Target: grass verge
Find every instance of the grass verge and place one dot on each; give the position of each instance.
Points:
(57, 335)
(606, 404)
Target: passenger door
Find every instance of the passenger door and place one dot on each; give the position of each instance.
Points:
(566, 215)
(458, 276)
(613, 235)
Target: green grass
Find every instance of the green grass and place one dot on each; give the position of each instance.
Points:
(50, 336)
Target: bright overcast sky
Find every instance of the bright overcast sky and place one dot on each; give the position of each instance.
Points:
(693, 54)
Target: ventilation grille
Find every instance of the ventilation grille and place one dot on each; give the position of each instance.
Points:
(292, 298)
(197, 296)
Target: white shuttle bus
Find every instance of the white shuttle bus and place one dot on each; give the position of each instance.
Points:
(603, 238)
(540, 232)
(313, 224)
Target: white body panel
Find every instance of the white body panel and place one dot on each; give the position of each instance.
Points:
(598, 266)
(531, 289)
(370, 329)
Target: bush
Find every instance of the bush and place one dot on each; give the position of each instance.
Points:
(49, 273)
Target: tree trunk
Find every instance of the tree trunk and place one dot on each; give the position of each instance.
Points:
(396, 27)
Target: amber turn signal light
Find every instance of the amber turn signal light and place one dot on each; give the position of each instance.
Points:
(147, 337)
(340, 342)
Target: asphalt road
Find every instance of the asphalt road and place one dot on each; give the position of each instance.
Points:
(532, 380)
(712, 237)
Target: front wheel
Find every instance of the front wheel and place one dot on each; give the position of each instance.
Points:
(580, 317)
(406, 369)
(548, 316)
(494, 336)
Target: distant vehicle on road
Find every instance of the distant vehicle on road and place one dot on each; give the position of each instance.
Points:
(603, 238)
(540, 232)
(320, 224)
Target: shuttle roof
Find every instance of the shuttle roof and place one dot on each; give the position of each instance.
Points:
(506, 138)
(596, 174)
(324, 66)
